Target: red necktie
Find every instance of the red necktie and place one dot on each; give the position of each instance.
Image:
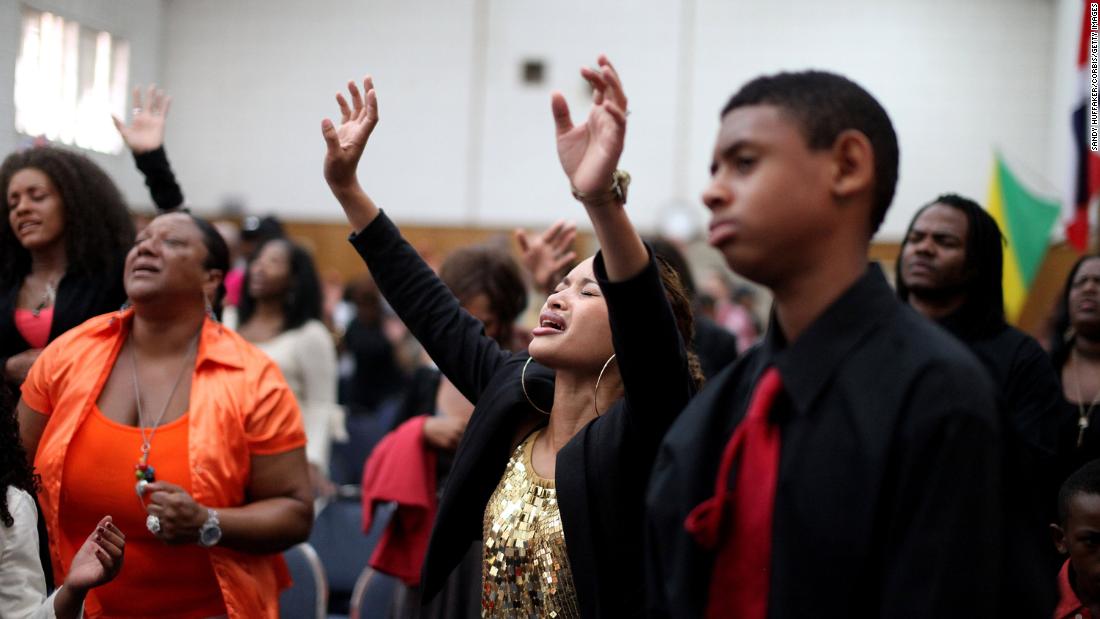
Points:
(740, 580)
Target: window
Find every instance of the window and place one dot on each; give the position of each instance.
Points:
(69, 79)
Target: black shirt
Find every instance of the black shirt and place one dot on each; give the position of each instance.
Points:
(1072, 456)
(715, 346)
(377, 376)
(887, 502)
(1028, 397)
(601, 473)
(1027, 387)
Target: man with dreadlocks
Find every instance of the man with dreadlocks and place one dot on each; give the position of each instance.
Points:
(950, 270)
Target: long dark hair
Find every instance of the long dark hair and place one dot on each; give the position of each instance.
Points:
(1061, 341)
(302, 300)
(984, 309)
(14, 469)
(98, 228)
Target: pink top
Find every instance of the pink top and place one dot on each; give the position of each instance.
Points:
(234, 281)
(34, 329)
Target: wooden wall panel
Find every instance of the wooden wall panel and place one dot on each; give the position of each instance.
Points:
(334, 255)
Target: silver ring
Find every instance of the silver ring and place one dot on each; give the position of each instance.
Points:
(136, 111)
(153, 524)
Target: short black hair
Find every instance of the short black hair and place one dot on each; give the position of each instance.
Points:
(824, 105)
(984, 309)
(262, 229)
(98, 228)
(302, 300)
(1085, 480)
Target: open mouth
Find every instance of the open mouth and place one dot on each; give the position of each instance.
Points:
(549, 324)
(552, 323)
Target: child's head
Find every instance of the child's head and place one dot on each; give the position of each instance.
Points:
(1078, 530)
(800, 159)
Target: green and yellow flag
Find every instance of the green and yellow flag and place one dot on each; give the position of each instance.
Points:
(1025, 220)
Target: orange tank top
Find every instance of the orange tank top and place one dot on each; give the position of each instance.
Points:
(157, 580)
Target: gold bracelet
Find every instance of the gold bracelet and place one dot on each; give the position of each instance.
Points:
(620, 181)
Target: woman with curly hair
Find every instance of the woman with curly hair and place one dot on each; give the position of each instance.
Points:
(64, 233)
(22, 583)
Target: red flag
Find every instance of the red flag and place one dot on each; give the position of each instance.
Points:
(1086, 162)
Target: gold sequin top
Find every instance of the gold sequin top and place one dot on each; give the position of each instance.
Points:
(525, 570)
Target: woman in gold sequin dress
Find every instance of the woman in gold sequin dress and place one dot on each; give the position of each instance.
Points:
(552, 470)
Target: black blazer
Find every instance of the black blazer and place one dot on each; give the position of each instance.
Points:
(81, 296)
(601, 473)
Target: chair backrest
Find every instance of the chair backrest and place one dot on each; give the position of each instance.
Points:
(308, 596)
(373, 595)
(364, 432)
(341, 544)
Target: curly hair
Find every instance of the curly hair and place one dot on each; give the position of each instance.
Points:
(98, 228)
(14, 468)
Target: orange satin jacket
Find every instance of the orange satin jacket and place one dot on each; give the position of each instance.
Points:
(240, 407)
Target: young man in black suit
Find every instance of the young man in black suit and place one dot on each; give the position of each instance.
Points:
(863, 480)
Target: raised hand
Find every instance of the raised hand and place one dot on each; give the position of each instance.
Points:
(545, 256)
(99, 559)
(345, 143)
(589, 152)
(146, 129)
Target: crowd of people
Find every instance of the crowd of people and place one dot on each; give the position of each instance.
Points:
(173, 390)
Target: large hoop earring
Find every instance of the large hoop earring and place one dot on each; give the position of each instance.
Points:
(596, 391)
(523, 384)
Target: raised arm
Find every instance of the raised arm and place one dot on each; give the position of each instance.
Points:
(589, 154)
(144, 136)
(344, 147)
(454, 339)
(651, 355)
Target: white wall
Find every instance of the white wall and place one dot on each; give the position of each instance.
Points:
(463, 141)
(138, 21)
(253, 79)
(957, 78)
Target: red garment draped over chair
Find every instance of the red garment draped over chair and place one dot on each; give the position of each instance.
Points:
(402, 469)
